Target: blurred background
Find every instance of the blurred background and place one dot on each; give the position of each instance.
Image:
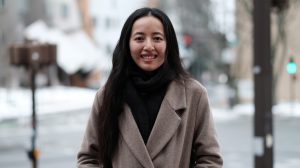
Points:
(216, 46)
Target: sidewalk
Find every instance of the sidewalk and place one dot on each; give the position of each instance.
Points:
(16, 103)
(236, 140)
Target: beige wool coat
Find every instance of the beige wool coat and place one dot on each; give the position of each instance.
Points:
(184, 124)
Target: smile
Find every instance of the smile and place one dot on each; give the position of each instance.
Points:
(148, 57)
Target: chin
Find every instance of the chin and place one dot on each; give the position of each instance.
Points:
(148, 69)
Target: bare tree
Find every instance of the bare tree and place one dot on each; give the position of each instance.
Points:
(197, 20)
(281, 20)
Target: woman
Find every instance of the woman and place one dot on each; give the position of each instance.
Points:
(150, 113)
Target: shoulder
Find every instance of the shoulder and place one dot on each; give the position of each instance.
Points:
(189, 89)
(194, 86)
(99, 96)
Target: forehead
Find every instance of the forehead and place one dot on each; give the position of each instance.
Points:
(147, 23)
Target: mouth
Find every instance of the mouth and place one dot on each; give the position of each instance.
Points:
(148, 57)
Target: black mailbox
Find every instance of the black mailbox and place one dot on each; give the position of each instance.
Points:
(21, 54)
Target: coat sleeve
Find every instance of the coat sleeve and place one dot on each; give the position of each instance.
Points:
(87, 156)
(205, 146)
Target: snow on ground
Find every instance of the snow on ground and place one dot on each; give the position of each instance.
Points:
(16, 103)
(283, 109)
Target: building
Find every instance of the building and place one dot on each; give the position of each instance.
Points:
(108, 17)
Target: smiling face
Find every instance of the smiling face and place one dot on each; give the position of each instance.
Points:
(147, 43)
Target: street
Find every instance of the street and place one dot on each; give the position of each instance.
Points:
(60, 135)
(236, 139)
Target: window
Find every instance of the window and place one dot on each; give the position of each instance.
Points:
(108, 49)
(94, 21)
(22, 6)
(64, 10)
(1, 37)
(107, 23)
(2, 3)
(111, 22)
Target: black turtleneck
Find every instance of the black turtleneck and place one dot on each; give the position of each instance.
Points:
(144, 94)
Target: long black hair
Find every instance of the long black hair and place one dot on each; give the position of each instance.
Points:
(113, 93)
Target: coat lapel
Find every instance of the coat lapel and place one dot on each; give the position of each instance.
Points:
(133, 138)
(167, 120)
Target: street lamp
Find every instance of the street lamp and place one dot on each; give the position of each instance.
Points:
(280, 4)
(33, 56)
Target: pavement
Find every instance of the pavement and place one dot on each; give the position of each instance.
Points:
(60, 135)
(59, 138)
(237, 144)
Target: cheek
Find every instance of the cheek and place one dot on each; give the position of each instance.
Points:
(162, 50)
(134, 49)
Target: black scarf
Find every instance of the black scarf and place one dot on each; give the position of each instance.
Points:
(144, 93)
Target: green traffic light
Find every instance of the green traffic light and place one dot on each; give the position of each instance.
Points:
(291, 67)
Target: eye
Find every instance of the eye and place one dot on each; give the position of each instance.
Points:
(139, 38)
(158, 38)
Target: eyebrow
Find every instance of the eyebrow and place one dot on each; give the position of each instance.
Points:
(155, 33)
(158, 33)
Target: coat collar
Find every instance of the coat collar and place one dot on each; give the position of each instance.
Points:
(165, 126)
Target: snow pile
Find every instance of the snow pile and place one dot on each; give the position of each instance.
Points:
(283, 109)
(16, 103)
(287, 109)
(75, 50)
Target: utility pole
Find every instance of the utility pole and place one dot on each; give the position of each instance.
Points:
(33, 57)
(262, 68)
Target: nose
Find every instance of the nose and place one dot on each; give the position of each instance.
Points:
(148, 45)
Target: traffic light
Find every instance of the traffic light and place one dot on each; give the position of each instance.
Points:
(187, 40)
(291, 67)
(280, 4)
